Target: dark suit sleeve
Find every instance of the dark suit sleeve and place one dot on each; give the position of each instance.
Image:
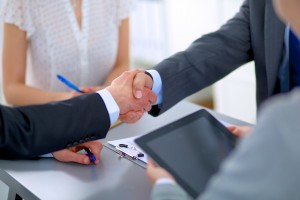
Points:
(30, 131)
(207, 60)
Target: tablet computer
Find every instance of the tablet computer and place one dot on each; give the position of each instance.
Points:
(191, 149)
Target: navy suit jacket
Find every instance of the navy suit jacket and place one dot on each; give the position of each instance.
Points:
(255, 33)
(30, 131)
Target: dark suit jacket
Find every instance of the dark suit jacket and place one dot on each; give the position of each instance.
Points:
(254, 33)
(35, 130)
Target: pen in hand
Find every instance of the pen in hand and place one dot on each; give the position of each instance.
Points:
(74, 87)
(68, 83)
(90, 155)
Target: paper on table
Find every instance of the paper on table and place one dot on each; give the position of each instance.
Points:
(132, 150)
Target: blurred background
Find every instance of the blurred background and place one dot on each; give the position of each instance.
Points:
(159, 28)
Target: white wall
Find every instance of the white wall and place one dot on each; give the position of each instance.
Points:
(235, 94)
(164, 27)
(161, 28)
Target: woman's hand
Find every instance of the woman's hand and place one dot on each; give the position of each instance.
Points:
(84, 89)
(71, 155)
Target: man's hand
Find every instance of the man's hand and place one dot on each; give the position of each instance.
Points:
(240, 131)
(131, 108)
(154, 172)
(71, 155)
(141, 80)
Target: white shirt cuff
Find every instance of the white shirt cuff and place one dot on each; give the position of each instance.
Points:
(165, 181)
(157, 85)
(111, 105)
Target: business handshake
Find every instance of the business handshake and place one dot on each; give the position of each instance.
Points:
(132, 92)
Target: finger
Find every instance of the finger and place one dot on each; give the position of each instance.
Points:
(151, 172)
(234, 130)
(231, 128)
(141, 70)
(139, 83)
(87, 89)
(138, 115)
(69, 156)
(148, 107)
(131, 116)
(128, 118)
(151, 163)
(125, 77)
(74, 94)
(95, 147)
(152, 98)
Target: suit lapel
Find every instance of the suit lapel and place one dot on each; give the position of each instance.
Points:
(274, 43)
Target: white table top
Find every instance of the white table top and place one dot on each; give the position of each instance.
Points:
(114, 178)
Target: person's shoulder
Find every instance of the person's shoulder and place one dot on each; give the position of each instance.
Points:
(169, 191)
(17, 9)
(282, 107)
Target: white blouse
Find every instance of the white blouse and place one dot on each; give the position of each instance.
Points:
(57, 45)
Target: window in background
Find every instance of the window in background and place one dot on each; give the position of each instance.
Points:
(160, 28)
(148, 32)
(235, 94)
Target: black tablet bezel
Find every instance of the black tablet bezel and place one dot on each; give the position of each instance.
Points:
(143, 140)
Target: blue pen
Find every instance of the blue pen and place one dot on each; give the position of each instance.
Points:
(74, 87)
(68, 83)
(90, 154)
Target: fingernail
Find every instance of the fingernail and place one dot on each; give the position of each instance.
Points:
(86, 160)
(138, 94)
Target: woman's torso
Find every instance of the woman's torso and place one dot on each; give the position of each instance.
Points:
(57, 45)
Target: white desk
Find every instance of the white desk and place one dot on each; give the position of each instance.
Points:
(114, 178)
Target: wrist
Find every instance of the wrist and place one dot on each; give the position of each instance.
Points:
(147, 73)
(165, 180)
(97, 88)
(112, 93)
(110, 103)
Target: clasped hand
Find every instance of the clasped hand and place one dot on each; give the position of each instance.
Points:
(133, 99)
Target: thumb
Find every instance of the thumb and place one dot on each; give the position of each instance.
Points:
(139, 82)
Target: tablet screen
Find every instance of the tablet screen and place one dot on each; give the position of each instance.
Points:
(191, 149)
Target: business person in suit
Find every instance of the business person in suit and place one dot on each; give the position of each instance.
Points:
(30, 131)
(255, 33)
(265, 165)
